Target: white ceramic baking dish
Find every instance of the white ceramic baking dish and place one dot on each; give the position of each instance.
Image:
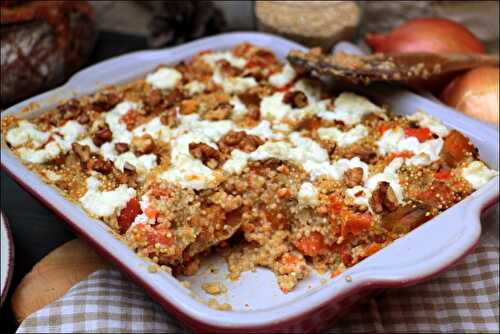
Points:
(258, 304)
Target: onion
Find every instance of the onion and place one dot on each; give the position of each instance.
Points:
(475, 93)
(436, 35)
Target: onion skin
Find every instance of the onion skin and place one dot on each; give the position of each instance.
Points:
(475, 93)
(436, 35)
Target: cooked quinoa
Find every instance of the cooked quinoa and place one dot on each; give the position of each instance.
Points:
(234, 151)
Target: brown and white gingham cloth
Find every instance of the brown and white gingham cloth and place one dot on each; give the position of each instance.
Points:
(464, 299)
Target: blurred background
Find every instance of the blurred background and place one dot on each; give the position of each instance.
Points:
(481, 17)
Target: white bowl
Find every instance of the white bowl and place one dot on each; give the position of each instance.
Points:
(258, 304)
(6, 258)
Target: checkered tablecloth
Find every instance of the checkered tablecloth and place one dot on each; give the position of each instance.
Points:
(464, 299)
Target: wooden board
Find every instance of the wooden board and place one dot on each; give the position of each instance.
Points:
(53, 276)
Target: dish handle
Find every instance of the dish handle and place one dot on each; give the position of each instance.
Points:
(396, 265)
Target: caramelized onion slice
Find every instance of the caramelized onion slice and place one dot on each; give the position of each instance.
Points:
(406, 218)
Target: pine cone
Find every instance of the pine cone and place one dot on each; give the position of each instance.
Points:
(176, 22)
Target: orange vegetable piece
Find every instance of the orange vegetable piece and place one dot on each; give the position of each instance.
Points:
(156, 191)
(164, 236)
(311, 245)
(336, 205)
(355, 223)
(438, 195)
(289, 259)
(130, 118)
(337, 272)
(242, 49)
(261, 58)
(277, 217)
(394, 155)
(188, 107)
(151, 212)
(383, 127)
(442, 175)
(128, 214)
(422, 134)
(372, 249)
(455, 148)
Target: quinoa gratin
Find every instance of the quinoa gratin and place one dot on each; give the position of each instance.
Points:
(237, 153)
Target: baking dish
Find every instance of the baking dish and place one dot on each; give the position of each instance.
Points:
(258, 304)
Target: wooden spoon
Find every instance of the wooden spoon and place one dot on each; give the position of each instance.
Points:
(414, 69)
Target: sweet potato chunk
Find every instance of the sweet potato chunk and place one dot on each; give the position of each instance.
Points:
(311, 245)
(438, 195)
(456, 147)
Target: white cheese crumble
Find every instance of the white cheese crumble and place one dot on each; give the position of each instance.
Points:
(389, 140)
(334, 170)
(70, 131)
(236, 163)
(394, 140)
(432, 123)
(212, 58)
(24, 132)
(430, 149)
(142, 164)
(164, 78)
(143, 218)
(311, 89)
(117, 127)
(284, 77)
(306, 149)
(299, 149)
(107, 150)
(62, 138)
(343, 138)
(360, 195)
(211, 130)
(478, 174)
(263, 130)
(105, 203)
(49, 152)
(239, 109)
(281, 127)
(189, 173)
(351, 108)
(88, 141)
(234, 85)
(194, 87)
(154, 128)
(279, 150)
(186, 170)
(308, 195)
(273, 108)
